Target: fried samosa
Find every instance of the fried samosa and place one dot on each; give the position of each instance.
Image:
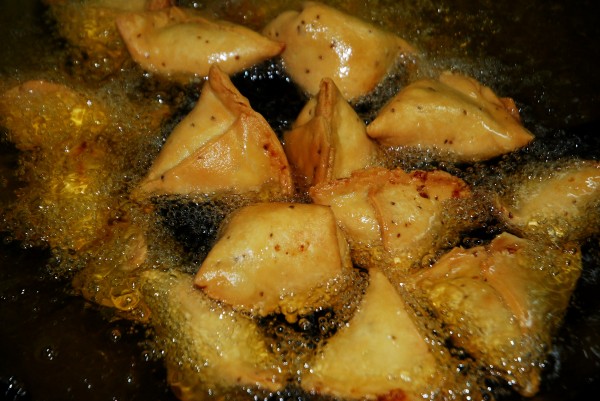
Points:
(278, 258)
(181, 44)
(391, 209)
(454, 115)
(503, 302)
(380, 351)
(208, 346)
(322, 42)
(328, 139)
(555, 202)
(222, 145)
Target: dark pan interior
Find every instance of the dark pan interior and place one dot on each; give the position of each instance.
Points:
(55, 346)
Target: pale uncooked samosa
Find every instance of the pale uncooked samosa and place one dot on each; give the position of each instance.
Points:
(322, 42)
(278, 258)
(328, 139)
(180, 43)
(454, 115)
(223, 145)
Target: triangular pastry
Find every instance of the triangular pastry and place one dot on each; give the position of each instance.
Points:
(391, 210)
(503, 302)
(556, 203)
(180, 43)
(328, 139)
(322, 42)
(454, 115)
(380, 351)
(208, 346)
(222, 145)
(277, 258)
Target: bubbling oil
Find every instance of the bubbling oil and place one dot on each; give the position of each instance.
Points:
(74, 197)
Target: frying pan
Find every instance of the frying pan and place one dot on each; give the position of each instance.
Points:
(55, 346)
